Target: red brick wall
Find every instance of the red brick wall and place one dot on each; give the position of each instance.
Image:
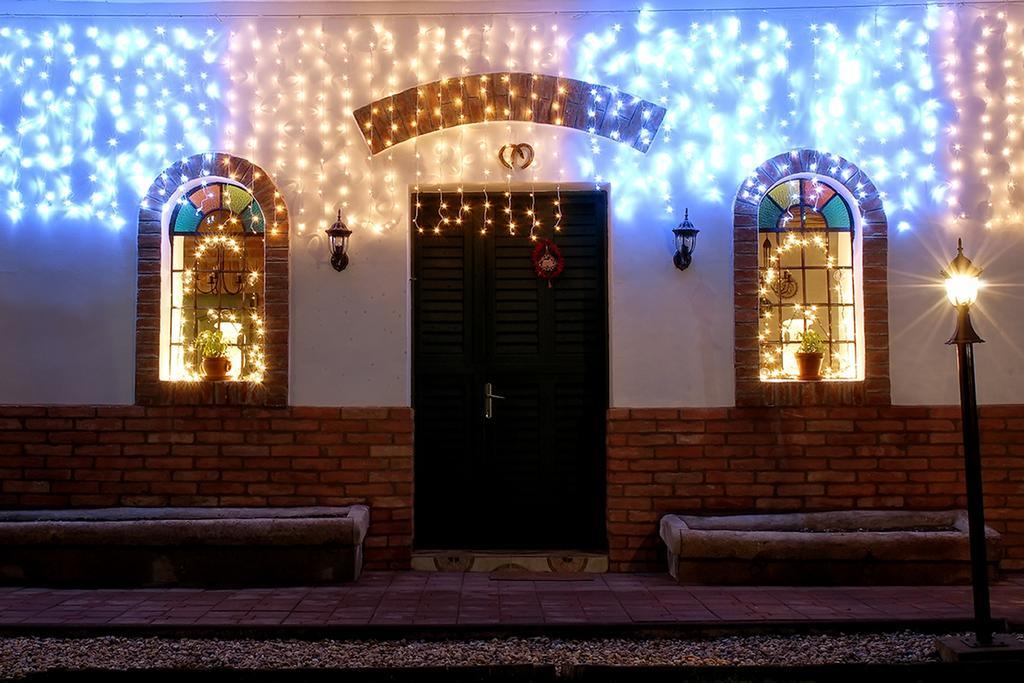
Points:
(89, 456)
(718, 460)
(741, 460)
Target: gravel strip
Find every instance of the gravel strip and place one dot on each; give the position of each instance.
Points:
(19, 656)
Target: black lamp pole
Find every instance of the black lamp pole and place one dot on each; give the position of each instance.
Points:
(965, 338)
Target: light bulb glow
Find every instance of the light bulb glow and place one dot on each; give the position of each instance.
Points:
(962, 290)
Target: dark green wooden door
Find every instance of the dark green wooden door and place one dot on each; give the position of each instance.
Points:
(530, 476)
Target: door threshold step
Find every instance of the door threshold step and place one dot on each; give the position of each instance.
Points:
(542, 561)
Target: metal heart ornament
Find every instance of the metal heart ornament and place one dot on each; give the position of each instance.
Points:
(517, 156)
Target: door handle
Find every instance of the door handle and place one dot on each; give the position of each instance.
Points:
(489, 397)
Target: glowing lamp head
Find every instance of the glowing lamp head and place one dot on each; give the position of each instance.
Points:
(338, 235)
(961, 279)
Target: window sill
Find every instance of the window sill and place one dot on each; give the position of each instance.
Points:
(188, 382)
(212, 392)
(795, 380)
(814, 392)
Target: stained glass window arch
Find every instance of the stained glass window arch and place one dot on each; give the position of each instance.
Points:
(213, 279)
(809, 266)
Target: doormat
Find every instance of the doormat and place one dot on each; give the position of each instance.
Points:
(519, 575)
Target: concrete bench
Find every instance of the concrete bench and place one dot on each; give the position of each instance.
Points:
(857, 547)
(183, 546)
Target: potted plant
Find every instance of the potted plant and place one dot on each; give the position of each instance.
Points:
(214, 351)
(808, 356)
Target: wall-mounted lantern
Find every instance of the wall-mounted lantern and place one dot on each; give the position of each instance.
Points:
(338, 235)
(686, 242)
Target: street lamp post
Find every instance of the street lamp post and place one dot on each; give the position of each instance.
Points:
(962, 285)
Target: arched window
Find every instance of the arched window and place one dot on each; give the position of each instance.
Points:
(808, 264)
(215, 282)
(213, 257)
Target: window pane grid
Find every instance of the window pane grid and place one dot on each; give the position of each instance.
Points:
(217, 281)
(806, 279)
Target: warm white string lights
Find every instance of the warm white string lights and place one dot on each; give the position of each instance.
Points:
(982, 66)
(325, 211)
(462, 49)
(417, 64)
(345, 129)
(371, 206)
(386, 39)
(437, 111)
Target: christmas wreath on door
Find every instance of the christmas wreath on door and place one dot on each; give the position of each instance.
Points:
(548, 262)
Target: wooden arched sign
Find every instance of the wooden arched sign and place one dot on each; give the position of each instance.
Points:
(510, 96)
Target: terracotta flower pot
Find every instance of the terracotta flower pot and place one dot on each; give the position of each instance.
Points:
(808, 365)
(216, 369)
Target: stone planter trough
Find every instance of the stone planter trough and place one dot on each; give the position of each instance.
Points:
(183, 546)
(856, 547)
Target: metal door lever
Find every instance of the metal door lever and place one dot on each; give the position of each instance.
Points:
(489, 400)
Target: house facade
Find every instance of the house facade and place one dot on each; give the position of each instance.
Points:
(511, 350)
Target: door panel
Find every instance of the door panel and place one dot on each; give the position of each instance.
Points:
(442, 402)
(532, 476)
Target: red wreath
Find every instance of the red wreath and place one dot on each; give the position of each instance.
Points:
(547, 259)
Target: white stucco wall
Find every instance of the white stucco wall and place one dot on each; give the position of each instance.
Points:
(67, 284)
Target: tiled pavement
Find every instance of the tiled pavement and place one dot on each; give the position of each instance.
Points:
(415, 599)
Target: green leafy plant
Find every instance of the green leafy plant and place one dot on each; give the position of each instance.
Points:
(211, 344)
(811, 342)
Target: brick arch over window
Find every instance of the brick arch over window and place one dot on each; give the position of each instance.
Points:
(149, 389)
(874, 388)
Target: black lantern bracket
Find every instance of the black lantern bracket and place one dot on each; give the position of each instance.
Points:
(686, 242)
(338, 234)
